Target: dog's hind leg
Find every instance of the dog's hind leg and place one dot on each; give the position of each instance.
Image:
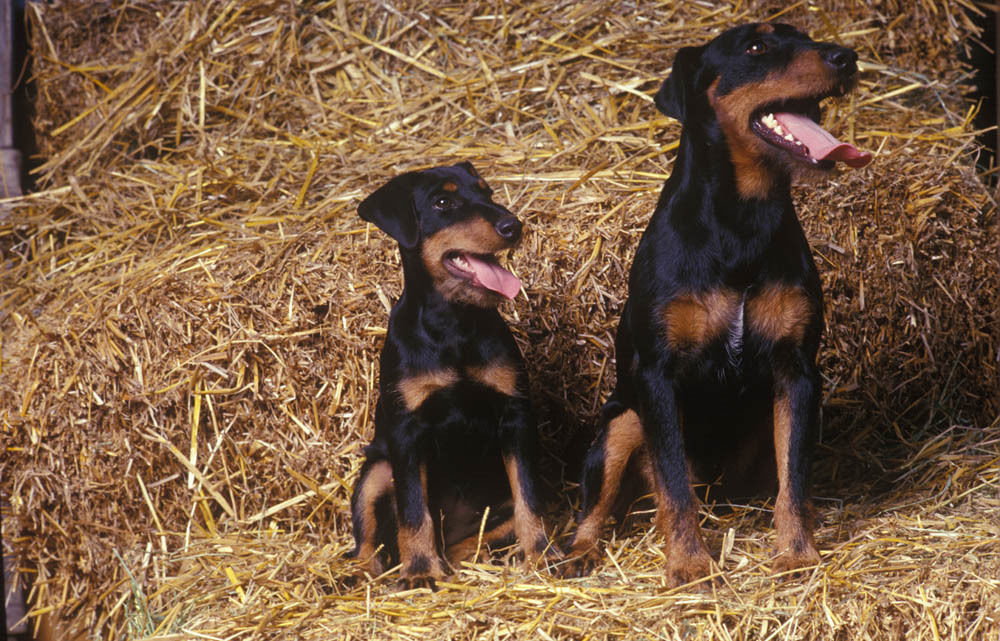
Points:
(607, 458)
(373, 513)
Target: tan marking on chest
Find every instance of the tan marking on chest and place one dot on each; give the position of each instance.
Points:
(500, 375)
(415, 389)
(779, 311)
(692, 320)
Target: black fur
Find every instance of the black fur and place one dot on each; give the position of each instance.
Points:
(463, 428)
(711, 402)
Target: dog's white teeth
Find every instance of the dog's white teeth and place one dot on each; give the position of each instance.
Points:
(772, 123)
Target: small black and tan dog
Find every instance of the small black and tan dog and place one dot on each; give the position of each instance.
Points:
(454, 429)
(716, 348)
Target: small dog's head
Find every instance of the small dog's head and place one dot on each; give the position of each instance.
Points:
(761, 85)
(447, 216)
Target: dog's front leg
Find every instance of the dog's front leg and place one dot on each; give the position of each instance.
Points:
(421, 564)
(676, 504)
(796, 415)
(520, 455)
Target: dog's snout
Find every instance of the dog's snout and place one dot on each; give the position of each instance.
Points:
(509, 228)
(844, 61)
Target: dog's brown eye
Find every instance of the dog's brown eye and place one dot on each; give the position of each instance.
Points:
(444, 203)
(756, 48)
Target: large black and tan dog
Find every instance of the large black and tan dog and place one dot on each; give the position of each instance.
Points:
(716, 349)
(454, 430)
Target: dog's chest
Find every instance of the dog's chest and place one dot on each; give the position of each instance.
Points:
(416, 387)
(693, 322)
(737, 327)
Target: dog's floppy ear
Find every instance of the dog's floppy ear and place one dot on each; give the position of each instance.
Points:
(680, 87)
(391, 209)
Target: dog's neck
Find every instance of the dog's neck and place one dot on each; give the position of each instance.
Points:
(427, 307)
(704, 180)
(701, 206)
(734, 170)
(416, 280)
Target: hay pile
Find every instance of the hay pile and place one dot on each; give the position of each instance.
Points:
(191, 313)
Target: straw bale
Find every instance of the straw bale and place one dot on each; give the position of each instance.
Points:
(191, 312)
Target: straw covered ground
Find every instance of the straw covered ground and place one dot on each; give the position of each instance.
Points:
(191, 312)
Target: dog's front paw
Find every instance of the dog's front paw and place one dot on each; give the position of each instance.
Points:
(796, 558)
(689, 567)
(581, 561)
(422, 572)
(414, 582)
(365, 565)
(545, 553)
(553, 554)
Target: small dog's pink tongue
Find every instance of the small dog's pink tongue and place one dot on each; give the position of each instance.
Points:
(494, 277)
(822, 145)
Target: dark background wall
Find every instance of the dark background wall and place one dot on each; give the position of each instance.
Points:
(982, 57)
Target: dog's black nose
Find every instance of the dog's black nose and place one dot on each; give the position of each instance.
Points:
(845, 61)
(509, 228)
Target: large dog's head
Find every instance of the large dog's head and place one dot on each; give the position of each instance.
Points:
(761, 85)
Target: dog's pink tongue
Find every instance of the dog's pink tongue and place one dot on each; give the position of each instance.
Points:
(493, 276)
(821, 143)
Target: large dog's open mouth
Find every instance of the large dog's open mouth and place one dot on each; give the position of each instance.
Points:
(792, 126)
(482, 270)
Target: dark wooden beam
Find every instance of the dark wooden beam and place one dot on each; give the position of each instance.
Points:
(10, 158)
